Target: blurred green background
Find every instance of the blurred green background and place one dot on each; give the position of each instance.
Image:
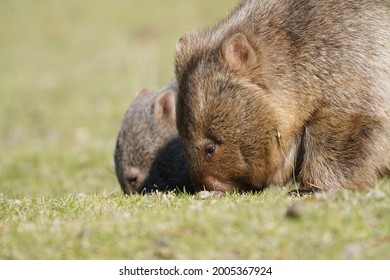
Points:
(68, 71)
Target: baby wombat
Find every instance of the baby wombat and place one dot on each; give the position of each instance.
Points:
(148, 154)
(287, 90)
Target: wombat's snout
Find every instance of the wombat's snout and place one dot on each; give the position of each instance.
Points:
(133, 181)
(221, 184)
(211, 183)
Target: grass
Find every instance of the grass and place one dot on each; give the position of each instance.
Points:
(68, 71)
(343, 225)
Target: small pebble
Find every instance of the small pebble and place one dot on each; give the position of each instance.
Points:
(206, 194)
(352, 251)
(11, 201)
(295, 210)
(377, 194)
(217, 193)
(80, 195)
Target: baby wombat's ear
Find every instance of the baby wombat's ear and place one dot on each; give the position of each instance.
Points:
(238, 53)
(164, 107)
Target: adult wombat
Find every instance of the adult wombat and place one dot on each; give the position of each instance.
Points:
(286, 90)
(148, 154)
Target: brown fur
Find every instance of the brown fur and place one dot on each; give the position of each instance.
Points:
(148, 154)
(286, 90)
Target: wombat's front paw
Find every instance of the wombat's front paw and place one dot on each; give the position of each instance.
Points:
(305, 191)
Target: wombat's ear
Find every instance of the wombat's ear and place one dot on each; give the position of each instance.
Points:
(238, 53)
(185, 48)
(184, 43)
(180, 56)
(142, 92)
(164, 107)
(180, 45)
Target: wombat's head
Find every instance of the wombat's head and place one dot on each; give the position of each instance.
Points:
(148, 154)
(225, 116)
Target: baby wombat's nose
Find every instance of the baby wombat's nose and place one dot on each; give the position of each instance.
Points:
(134, 179)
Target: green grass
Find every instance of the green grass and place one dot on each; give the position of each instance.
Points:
(68, 70)
(344, 225)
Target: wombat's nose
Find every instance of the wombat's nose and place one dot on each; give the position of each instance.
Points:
(134, 180)
(211, 183)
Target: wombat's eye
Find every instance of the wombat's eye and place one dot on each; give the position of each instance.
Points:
(210, 149)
